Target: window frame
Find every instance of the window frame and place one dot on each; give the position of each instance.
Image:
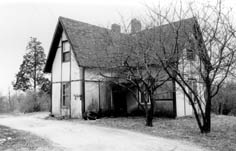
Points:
(194, 86)
(63, 56)
(63, 95)
(65, 52)
(140, 98)
(190, 55)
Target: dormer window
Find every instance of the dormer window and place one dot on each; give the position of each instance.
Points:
(190, 55)
(65, 51)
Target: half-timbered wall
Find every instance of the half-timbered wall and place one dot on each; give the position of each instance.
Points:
(97, 91)
(66, 73)
(188, 68)
(56, 84)
(76, 92)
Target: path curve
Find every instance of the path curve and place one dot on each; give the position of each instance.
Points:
(74, 136)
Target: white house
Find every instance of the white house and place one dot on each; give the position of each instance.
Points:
(73, 60)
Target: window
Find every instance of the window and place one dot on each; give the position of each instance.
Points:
(190, 55)
(65, 94)
(142, 98)
(66, 56)
(193, 85)
(65, 46)
(65, 51)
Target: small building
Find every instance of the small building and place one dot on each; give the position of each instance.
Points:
(75, 59)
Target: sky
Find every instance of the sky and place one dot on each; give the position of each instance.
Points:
(22, 19)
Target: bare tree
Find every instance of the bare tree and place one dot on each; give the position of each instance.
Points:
(131, 62)
(199, 54)
(140, 72)
(196, 53)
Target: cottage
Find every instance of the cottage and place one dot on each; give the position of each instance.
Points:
(74, 61)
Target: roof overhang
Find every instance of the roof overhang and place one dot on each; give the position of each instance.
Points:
(53, 47)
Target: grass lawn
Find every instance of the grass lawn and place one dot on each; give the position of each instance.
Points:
(221, 138)
(15, 140)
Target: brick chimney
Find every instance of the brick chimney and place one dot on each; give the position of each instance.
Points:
(115, 28)
(135, 26)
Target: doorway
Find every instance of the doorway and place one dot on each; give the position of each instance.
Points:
(119, 101)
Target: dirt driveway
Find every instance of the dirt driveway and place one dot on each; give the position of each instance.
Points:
(74, 136)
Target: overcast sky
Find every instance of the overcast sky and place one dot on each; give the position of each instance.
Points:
(22, 19)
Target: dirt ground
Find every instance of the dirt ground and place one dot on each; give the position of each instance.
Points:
(221, 138)
(17, 140)
(74, 136)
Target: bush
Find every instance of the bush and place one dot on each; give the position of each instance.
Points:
(93, 106)
(3, 104)
(30, 104)
(224, 102)
(25, 102)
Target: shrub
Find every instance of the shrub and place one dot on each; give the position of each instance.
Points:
(224, 102)
(30, 104)
(3, 104)
(93, 106)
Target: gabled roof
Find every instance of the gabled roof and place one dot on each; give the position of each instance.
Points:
(87, 43)
(95, 46)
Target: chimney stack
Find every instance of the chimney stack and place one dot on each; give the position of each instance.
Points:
(115, 28)
(135, 26)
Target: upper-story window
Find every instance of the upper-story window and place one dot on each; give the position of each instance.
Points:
(190, 55)
(65, 51)
(193, 84)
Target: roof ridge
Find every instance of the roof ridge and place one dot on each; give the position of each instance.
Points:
(88, 42)
(61, 18)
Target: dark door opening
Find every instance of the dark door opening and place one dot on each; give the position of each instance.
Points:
(119, 101)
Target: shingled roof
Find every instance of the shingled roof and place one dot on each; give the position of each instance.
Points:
(95, 46)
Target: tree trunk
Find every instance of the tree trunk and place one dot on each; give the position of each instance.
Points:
(35, 73)
(206, 125)
(149, 118)
(207, 120)
(149, 113)
(220, 108)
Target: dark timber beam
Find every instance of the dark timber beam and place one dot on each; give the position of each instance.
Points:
(83, 92)
(174, 99)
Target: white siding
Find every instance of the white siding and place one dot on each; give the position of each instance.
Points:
(183, 106)
(66, 71)
(187, 67)
(65, 65)
(76, 100)
(56, 67)
(75, 69)
(60, 73)
(65, 112)
(91, 96)
(92, 76)
(75, 88)
(56, 89)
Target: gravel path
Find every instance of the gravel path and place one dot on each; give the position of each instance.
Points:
(74, 136)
